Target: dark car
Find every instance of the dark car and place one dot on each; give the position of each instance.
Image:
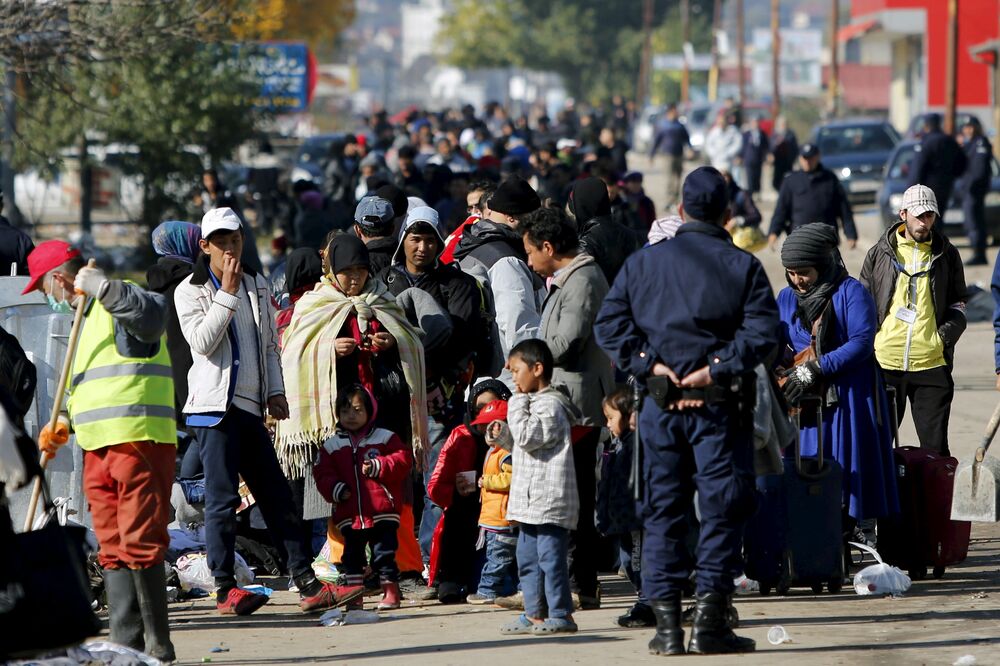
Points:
(856, 151)
(916, 128)
(312, 155)
(897, 176)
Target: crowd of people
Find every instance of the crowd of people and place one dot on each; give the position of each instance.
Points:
(447, 362)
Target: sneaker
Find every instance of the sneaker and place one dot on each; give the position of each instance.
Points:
(331, 596)
(745, 586)
(479, 599)
(513, 602)
(240, 602)
(640, 615)
(422, 593)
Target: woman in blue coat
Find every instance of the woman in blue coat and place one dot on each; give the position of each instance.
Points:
(856, 426)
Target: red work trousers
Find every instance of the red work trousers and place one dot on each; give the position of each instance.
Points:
(128, 489)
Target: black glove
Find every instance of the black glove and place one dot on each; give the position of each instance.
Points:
(801, 378)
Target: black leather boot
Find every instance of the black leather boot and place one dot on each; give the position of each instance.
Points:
(124, 618)
(669, 638)
(712, 632)
(151, 588)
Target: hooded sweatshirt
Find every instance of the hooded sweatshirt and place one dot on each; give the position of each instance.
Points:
(607, 241)
(456, 292)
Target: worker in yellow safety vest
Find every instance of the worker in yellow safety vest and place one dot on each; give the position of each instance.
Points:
(121, 407)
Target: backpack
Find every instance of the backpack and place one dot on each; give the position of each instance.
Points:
(17, 374)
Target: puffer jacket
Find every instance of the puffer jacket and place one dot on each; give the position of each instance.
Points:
(601, 236)
(881, 270)
(495, 494)
(372, 499)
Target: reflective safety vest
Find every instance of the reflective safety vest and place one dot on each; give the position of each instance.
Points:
(115, 399)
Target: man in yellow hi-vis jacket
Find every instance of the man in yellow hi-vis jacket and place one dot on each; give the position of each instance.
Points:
(121, 407)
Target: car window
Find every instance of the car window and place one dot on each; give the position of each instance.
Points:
(900, 167)
(698, 116)
(855, 139)
(314, 150)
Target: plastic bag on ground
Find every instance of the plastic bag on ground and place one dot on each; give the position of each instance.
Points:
(880, 578)
(193, 572)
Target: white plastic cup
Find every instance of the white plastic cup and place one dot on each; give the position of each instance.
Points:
(777, 635)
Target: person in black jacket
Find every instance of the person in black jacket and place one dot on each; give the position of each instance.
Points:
(374, 219)
(938, 164)
(15, 246)
(974, 186)
(607, 241)
(811, 195)
(753, 154)
(177, 247)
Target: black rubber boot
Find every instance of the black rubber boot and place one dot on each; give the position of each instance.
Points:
(151, 588)
(712, 632)
(124, 618)
(669, 638)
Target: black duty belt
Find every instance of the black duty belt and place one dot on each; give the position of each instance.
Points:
(663, 391)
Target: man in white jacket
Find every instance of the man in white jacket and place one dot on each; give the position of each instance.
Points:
(227, 316)
(723, 143)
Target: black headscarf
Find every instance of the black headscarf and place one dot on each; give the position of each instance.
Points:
(303, 269)
(589, 199)
(814, 246)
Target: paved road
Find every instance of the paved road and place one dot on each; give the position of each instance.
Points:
(937, 622)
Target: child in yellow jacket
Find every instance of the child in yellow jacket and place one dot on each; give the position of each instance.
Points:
(499, 577)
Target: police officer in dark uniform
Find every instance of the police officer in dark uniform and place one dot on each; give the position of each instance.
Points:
(938, 163)
(813, 194)
(690, 319)
(974, 186)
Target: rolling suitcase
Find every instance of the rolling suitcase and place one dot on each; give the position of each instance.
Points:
(923, 534)
(795, 539)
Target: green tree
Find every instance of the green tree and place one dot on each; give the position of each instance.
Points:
(594, 44)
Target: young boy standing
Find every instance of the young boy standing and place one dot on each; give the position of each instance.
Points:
(543, 493)
(227, 316)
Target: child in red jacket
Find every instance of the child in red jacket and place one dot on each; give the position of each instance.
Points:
(361, 471)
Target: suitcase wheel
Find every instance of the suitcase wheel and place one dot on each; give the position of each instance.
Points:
(835, 585)
(817, 588)
(938, 572)
(917, 574)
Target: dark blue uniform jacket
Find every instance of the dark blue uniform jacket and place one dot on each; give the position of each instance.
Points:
(694, 300)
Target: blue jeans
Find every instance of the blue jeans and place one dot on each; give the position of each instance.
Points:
(544, 570)
(240, 445)
(437, 434)
(499, 577)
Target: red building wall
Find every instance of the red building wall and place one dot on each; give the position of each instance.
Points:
(977, 22)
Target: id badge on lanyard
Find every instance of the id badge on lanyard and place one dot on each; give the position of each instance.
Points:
(908, 312)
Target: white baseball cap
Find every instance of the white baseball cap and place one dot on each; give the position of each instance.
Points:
(219, 219)
(919, 199)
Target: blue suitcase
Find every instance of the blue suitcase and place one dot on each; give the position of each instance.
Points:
(795, 539)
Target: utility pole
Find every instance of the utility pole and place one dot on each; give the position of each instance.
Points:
(834, 84)
(950, 66)
(642, 85)
(740, 48)
(686, 36)
(775, 58)
(713, 74)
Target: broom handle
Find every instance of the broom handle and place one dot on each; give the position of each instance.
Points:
(57, 402)
(991, 431)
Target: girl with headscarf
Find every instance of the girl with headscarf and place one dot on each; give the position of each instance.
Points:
(303, 269)
(177, 245)
(844, 376)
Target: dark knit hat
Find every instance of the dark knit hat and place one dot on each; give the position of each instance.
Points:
(346, 251)
(396, 197)
(811, 245)
(705, 196)
(515, 197)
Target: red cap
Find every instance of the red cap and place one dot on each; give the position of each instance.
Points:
(493, 411)
(45, 257)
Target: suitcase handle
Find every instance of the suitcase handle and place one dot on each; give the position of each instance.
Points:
(819, 442)
(890, 394)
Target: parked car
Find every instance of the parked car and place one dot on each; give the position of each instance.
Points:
(897, 177)
(644, 130)
(856, 151)
(916, 128)
(312, 155)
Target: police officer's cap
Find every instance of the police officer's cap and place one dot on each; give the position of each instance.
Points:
(705, 196)
(809, 150)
